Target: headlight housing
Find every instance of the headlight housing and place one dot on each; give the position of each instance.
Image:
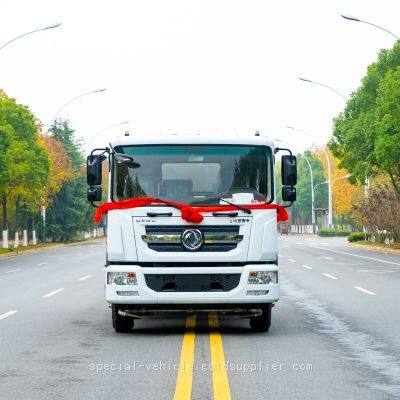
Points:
(121, 278)
(262, 277)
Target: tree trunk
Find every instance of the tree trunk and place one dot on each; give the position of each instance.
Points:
(16, 240)
(4, 221)
(25, 232)
(34, 238)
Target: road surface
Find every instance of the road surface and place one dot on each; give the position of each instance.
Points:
(334, 334)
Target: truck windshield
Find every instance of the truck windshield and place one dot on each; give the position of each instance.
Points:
(195, 174)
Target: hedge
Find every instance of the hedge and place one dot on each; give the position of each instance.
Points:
(358, 236)
(333, 232)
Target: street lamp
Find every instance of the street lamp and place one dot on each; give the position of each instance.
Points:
(355, 19)
(312, 192)
(76, 98)
(105, 129)
(339, 179)
(334, 181)
(324, 85)
(330, 209)
(52, 26)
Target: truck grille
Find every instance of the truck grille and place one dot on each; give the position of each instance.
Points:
(192, 282)
(216, 238)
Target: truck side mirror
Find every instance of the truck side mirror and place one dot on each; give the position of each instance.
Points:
(93, 169)
(288, 193)
(94, 194)
(289, 170)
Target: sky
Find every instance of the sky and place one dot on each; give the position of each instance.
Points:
(184, 66)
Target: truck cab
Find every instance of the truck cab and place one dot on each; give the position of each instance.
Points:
(158, 262)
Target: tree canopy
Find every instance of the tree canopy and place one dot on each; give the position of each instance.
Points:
(366, 135)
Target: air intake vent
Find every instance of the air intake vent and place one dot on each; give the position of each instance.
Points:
(192, 282)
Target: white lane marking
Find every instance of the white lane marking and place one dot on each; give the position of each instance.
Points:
(103, 269)
(13, 270)
(291, 260)
(85, 277)
(356, 255)
(285, 246)
(330, 276)
(280, 255)
(299, 243)
(53, 293)
(8, 314)
(306, 266)
(42, 263)
(326, 258)
(364, 290)
(62, 258)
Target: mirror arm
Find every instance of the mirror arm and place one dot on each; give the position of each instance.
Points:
(94, 205)
(104, 149)
(282, 149)
(288, 205)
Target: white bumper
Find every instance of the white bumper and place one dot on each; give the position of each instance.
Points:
(145, 295)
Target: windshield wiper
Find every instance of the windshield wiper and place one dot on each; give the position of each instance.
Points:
(245, 210)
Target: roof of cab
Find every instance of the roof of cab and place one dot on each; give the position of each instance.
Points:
(135, 139)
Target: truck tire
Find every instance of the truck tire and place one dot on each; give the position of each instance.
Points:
(263, 322)
(121, 324)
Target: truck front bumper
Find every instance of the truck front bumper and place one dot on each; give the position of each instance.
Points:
(142, 294)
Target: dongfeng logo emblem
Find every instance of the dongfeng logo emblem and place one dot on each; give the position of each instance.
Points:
(192, 239)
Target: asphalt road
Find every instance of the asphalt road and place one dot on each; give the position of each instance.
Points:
(334, 333)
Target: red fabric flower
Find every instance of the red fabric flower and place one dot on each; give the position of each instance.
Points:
(188, 213)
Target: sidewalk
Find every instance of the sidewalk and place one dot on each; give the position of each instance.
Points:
(377, 248)
(48, 246)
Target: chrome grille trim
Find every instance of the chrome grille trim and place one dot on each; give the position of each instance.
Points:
(168, 237)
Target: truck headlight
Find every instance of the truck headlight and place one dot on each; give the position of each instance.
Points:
(262, 277)
(121, 278)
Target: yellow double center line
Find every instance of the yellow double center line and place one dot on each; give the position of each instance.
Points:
(183, 389)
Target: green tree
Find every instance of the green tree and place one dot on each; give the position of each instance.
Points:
(25, 165)
(69, 212)
(366, 135)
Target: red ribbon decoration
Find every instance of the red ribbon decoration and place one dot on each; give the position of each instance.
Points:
(188, 213)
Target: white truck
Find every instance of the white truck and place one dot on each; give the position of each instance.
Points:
(158, 262)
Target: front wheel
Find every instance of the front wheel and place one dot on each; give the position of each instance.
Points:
(121, 324)
(263, 322)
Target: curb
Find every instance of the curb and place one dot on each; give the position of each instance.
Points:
(47, 248)
(373, 248)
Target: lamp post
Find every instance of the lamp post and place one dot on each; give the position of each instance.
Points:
(74, 99)
(105, 129)
(330, 210)
(52, 26)
(324, 85)
(339, 179)
(355, 19)
(312, 192)
(54, 120)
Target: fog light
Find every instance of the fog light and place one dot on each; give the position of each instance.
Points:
(257, 292)
(127, 293)
(122, 278)
(262, 277)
